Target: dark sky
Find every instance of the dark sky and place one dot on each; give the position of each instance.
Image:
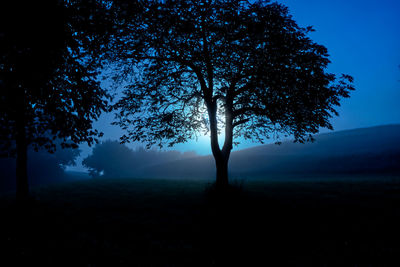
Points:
(363, 40)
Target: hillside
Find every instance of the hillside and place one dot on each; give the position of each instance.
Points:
(366, 150)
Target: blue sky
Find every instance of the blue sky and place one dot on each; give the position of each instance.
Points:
(363, 40)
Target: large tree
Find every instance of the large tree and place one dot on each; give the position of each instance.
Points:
(244, 69)
(48, 87)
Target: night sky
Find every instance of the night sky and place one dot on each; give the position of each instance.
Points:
(363, 40)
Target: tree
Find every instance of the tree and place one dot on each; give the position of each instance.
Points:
(203, 66)
(48, 86)
(110, 159)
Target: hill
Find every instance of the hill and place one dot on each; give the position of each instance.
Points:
(373, 150)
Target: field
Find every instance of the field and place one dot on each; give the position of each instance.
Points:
(147, 222)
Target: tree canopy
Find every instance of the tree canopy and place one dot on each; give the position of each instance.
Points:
(44, 74)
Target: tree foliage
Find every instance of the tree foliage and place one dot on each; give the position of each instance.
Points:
(46, 78)
(250, 59)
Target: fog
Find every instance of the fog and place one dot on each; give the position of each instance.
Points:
(43, 167)
(112, 159)
(374, 150)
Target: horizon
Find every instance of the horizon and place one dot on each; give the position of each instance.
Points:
(80, 168)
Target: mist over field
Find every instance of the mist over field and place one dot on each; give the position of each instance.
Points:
(43, 167)
(366, 151)
(370, 151)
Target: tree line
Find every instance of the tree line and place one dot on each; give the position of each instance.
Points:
(114, 160)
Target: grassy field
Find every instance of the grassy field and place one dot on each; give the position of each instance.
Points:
(131, 222)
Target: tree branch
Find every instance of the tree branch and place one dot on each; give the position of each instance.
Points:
(184, 62)
(243, 121)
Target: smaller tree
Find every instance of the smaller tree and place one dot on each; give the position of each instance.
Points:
(48, 86)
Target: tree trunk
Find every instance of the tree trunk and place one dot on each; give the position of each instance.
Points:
(221, 157)
(222, 181)
(221, 161)
(22, 187)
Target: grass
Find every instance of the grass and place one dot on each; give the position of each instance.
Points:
(139, 222)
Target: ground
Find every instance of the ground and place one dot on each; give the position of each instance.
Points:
(147, 222)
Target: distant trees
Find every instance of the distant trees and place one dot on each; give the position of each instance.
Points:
(112, 159)
(48, 86)
(244, 68)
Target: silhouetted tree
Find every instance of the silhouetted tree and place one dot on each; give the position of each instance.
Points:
(198, 66)
(48, 86)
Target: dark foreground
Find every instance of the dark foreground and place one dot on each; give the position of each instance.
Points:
(175, 223)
